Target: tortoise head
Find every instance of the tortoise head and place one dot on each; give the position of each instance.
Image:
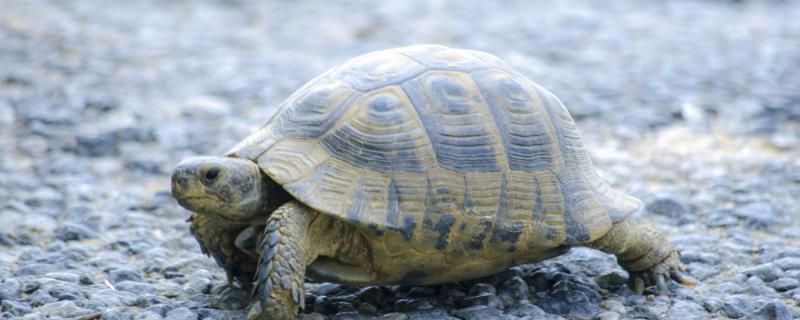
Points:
(232, 188)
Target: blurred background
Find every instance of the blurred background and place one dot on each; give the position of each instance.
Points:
(693, 106)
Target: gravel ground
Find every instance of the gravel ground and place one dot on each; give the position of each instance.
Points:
(694, 106)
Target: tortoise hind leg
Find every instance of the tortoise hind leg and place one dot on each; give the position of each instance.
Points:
(647, 255)
(294, 237)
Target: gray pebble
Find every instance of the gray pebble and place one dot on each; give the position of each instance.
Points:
(124, 274)
(526, 310)
(671, 208)
(73, 231)
(482, 288)
(712, 304)
(736, 307)
(784, 284)
(65, 291)
(514, 290)
(311, 316)
(788, 263)
(40, 298)
(181, 314)
(686, 310)
(147, 315)
(607, 315)
(16, 308)
(767, 272)
(393, 316)
(613, 305)
(756, 286)
(135, 287)
(10, 289)
(430, 314)
(367, 308)
(759, 215)
(773, 310)
(722, 219)
(612, 280)
(61, 309)
(405, 305)
(102, 144)
(114, 298)
(479, 312)
(63, 276)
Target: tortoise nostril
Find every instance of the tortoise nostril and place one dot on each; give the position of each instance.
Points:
(210, 175)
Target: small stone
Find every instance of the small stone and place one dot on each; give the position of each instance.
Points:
(756, 286)
(115, 314)
(479, 313)
(788, 263)
(712, 304)
(60, 308)
(36, 269)
(722, 219)
(701, 271)
(10, 289)
(371, 294)
(311, 316)
(758, 215)
(420, 292)
(774, 310)
(368, 309)
(40, 298)
(612, 280)
(736, 307)
(124, 274)
(168, 289)
(343, 307)
(114, 298)
(785, 284)
(65, 291)
(516, 289)
(485, 299)
(181, 314)
(767, 272)
(17, 308)
(97, 145)
(405, 305)
(147, 315)
(670, 208)
(198, 285)
(430, 314)
(613, 305)
(607, 315)
(135, 287)
(63, 276)
(482, 288)
(393, 316)
(689, 310)
(86, 279)
(73, 231)
(326, 289)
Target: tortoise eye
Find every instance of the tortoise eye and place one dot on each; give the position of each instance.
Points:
(210, 175)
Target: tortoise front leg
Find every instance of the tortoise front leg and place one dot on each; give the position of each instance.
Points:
(285, 251)
(646, 254)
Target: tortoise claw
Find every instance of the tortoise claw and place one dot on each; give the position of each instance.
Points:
(660, 275)
(636, 283)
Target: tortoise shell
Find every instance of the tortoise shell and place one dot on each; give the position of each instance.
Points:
(437, 147)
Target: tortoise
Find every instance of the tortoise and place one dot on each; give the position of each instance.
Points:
(415, 165)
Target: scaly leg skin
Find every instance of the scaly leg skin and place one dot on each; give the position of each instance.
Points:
(294, 237)
(647, 255)
(216, 238)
